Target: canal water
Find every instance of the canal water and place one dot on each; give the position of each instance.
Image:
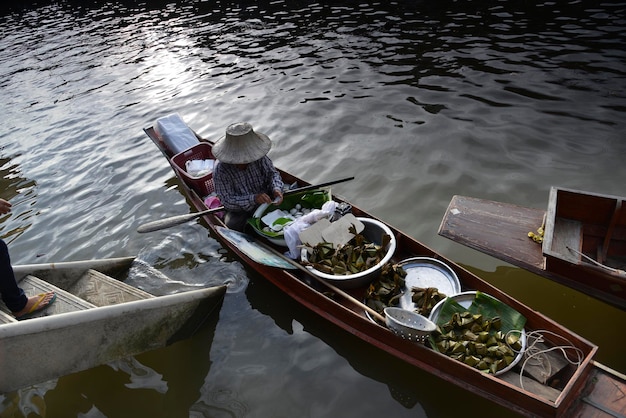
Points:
(419, 100)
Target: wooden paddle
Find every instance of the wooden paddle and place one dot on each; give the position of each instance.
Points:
(264, 254)
(180, 219)
(334, 288)
(174, 220)
(402, 322)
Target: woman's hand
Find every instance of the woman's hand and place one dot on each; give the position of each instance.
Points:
(278, 197)
(262, 198)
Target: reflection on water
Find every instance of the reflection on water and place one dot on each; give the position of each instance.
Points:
(140, 376)
(220, 403)
(418, 100)
(161, 383)
(171, 266)
(21, 193)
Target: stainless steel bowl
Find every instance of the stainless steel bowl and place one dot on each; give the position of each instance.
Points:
(372, 232)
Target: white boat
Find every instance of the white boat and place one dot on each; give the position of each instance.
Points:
(95, 319)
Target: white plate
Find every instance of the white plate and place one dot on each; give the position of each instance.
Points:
(427, 272)
(272, 216)
(464, 299)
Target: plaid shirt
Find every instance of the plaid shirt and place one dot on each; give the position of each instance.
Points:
(237, 188)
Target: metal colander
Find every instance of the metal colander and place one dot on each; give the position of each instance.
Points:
(408, 325)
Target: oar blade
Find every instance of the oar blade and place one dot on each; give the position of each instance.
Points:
(174, 220)
(246, 244)
(161, 224)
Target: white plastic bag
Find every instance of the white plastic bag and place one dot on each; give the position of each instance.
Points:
(292, 231)
(199, 168)
(175, 133)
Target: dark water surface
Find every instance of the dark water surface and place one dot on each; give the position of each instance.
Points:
(419, 100)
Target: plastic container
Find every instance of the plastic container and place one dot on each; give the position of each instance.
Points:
(201, 151)
(174, 133)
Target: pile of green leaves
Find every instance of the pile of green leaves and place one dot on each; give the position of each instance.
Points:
(487, 345)
(489, 307)
(425, 299)
(354, 257)
(387, 289)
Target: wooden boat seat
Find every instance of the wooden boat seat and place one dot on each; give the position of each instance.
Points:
(65, 301)
(92, 290)
(101, 290)
(5, 318)
(532, 386)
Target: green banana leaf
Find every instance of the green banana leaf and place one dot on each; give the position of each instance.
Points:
(310, 199)
(486, 305)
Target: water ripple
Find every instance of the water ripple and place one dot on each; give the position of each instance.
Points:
(418, 100)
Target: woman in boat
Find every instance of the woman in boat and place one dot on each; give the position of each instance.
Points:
(244, 176)
(12, 295)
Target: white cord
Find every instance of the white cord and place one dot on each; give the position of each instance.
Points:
(536, 354)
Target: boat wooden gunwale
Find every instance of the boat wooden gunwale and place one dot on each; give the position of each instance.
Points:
(95, 319)
(352, 318)
(501, 230)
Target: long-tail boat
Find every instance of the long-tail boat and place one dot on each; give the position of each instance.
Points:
(579, 240)
(572, 390)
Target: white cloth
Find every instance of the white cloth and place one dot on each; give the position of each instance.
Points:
(292, 231)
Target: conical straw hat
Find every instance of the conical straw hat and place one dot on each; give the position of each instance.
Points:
(241, 145)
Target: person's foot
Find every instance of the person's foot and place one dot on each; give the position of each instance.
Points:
(36, 304)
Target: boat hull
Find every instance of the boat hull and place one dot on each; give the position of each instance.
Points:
(44, 348)
(501, 231)
(348, 316)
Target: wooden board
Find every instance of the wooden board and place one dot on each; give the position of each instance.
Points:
(494, 228)
(604, 397)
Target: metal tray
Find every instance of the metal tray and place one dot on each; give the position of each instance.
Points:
(427, 272)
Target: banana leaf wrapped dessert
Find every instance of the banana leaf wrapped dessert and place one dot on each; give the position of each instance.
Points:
(425, 299)
(488, 335)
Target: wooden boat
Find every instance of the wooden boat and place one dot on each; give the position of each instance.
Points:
(96, 318)
(584, 242)
(561, 395)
